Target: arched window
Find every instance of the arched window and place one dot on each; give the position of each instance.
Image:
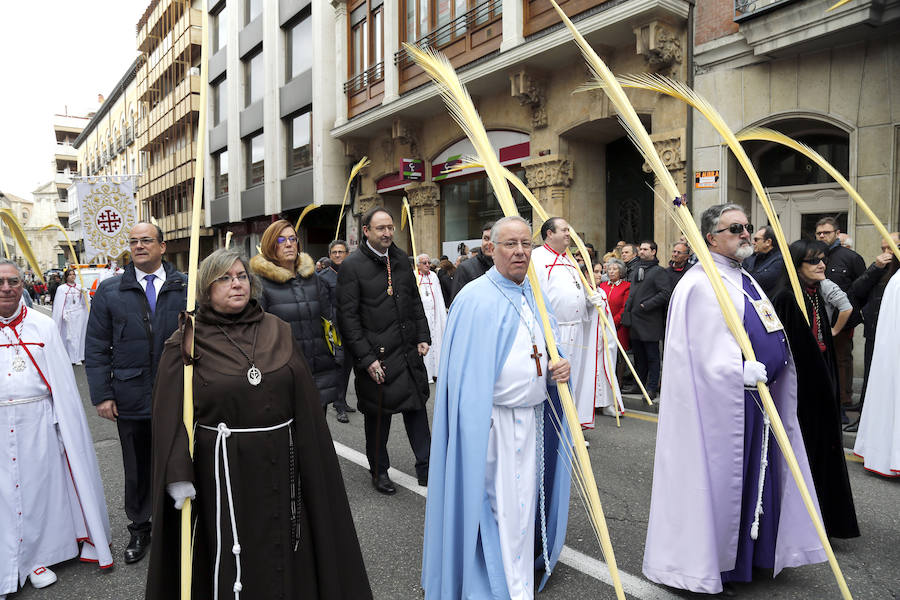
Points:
(780, 166)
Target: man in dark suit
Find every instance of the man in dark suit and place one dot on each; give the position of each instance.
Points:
(646, 311)
(131, 318)
(383, 327)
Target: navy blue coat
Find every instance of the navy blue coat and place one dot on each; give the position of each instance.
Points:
(124, 341)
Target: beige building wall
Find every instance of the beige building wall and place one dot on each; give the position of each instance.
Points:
(566, 168)
(854, 87)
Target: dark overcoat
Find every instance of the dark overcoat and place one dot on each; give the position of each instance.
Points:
(376, 325)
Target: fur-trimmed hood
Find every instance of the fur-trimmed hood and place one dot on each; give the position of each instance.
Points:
(263, 267)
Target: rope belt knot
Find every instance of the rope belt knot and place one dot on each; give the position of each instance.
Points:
(223, 432)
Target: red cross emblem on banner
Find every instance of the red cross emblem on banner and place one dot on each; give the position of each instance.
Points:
(109, 221)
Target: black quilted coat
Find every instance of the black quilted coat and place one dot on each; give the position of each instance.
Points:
(375, 325)
(302, 301)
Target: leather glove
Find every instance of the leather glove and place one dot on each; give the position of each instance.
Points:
(754, 372)
(181, 491)
(598, 299)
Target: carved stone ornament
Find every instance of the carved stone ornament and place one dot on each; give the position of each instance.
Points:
(548, 171)
(366, 203)
(406, 132)
(423, 198)
(670, 147)
(530, 90)
(660, 46)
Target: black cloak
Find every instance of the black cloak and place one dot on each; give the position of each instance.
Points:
(324, 559)
(819, 414)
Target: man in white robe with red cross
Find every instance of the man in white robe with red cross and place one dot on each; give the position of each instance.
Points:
(51, 494)
(574, 307)
(435, 312)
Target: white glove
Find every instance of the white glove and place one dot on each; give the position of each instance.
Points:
(181, 491)
(754, 372)
(598, 299)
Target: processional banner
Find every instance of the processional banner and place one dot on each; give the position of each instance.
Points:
(108, 212)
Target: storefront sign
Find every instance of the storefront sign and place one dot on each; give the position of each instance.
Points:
(705, 180)
(412, 168)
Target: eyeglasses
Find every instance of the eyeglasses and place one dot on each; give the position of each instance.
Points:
(11, 281)
(227, 279)
(282, 239)
(382, 228)
(339, 252)
(825, 232)
(813, 261)
(513, 244)
(736, 228)
(144, 241)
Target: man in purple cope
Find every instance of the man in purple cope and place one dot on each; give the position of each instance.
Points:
(712, 437)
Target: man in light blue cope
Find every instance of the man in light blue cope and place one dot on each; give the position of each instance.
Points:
(498, 495)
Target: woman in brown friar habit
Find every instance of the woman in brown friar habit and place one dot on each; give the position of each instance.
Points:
(272, 516)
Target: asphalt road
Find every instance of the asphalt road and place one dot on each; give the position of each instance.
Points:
(390, 528)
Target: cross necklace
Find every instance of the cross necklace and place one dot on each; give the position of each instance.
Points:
(535, 354)
(254, 375)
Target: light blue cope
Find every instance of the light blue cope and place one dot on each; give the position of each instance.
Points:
(461, 555)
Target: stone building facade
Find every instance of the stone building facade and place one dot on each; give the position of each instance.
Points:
(830, 79)
(521, 67)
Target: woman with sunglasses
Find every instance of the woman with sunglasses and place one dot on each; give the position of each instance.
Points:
(818, 410)
(292, 292)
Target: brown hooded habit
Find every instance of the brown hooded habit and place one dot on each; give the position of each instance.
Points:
(292, 545)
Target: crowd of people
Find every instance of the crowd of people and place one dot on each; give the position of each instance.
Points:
(275, 338)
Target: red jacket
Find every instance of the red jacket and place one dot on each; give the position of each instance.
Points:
(616, 295)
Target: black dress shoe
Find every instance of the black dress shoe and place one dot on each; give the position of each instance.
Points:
(852, 427)
(349, 409)
(383, 484)
(423, 480)
(342, 417)
(137, 547)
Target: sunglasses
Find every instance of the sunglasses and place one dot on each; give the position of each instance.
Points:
(737, 228)
(813, 261)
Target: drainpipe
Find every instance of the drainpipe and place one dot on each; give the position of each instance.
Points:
(689, 128)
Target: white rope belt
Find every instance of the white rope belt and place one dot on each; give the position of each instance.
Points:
(569, 322)
(23, 400)
(222, 434)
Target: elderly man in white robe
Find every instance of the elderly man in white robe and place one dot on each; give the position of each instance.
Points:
(435, 312)
(499, 483)
(51, 495)
(70, 313)
(574, 307)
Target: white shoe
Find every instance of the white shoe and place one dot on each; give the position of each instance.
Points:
(42, 577)
(609, 411)
(587, 444)
(77, 363)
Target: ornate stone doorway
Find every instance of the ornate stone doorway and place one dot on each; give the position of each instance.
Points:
(629, 194)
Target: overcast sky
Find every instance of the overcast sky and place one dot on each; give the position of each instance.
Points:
(55, 54)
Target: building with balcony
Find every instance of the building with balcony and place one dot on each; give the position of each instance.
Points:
(829, 79)
(168, 105)
(21, 208)
(521, 67)
(269, 149)
(107, 145)
(66, 129)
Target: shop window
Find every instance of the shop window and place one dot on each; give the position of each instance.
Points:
(467, 203)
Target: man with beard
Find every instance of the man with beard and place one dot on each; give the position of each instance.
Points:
(709, 524)
(842, 266)
(383, 326)
(337, 252)
(475, 267)
(645, 312)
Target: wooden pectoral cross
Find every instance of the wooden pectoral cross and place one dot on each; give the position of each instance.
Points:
(537, 359)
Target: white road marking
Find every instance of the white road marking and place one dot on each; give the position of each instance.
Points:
(634, 586)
